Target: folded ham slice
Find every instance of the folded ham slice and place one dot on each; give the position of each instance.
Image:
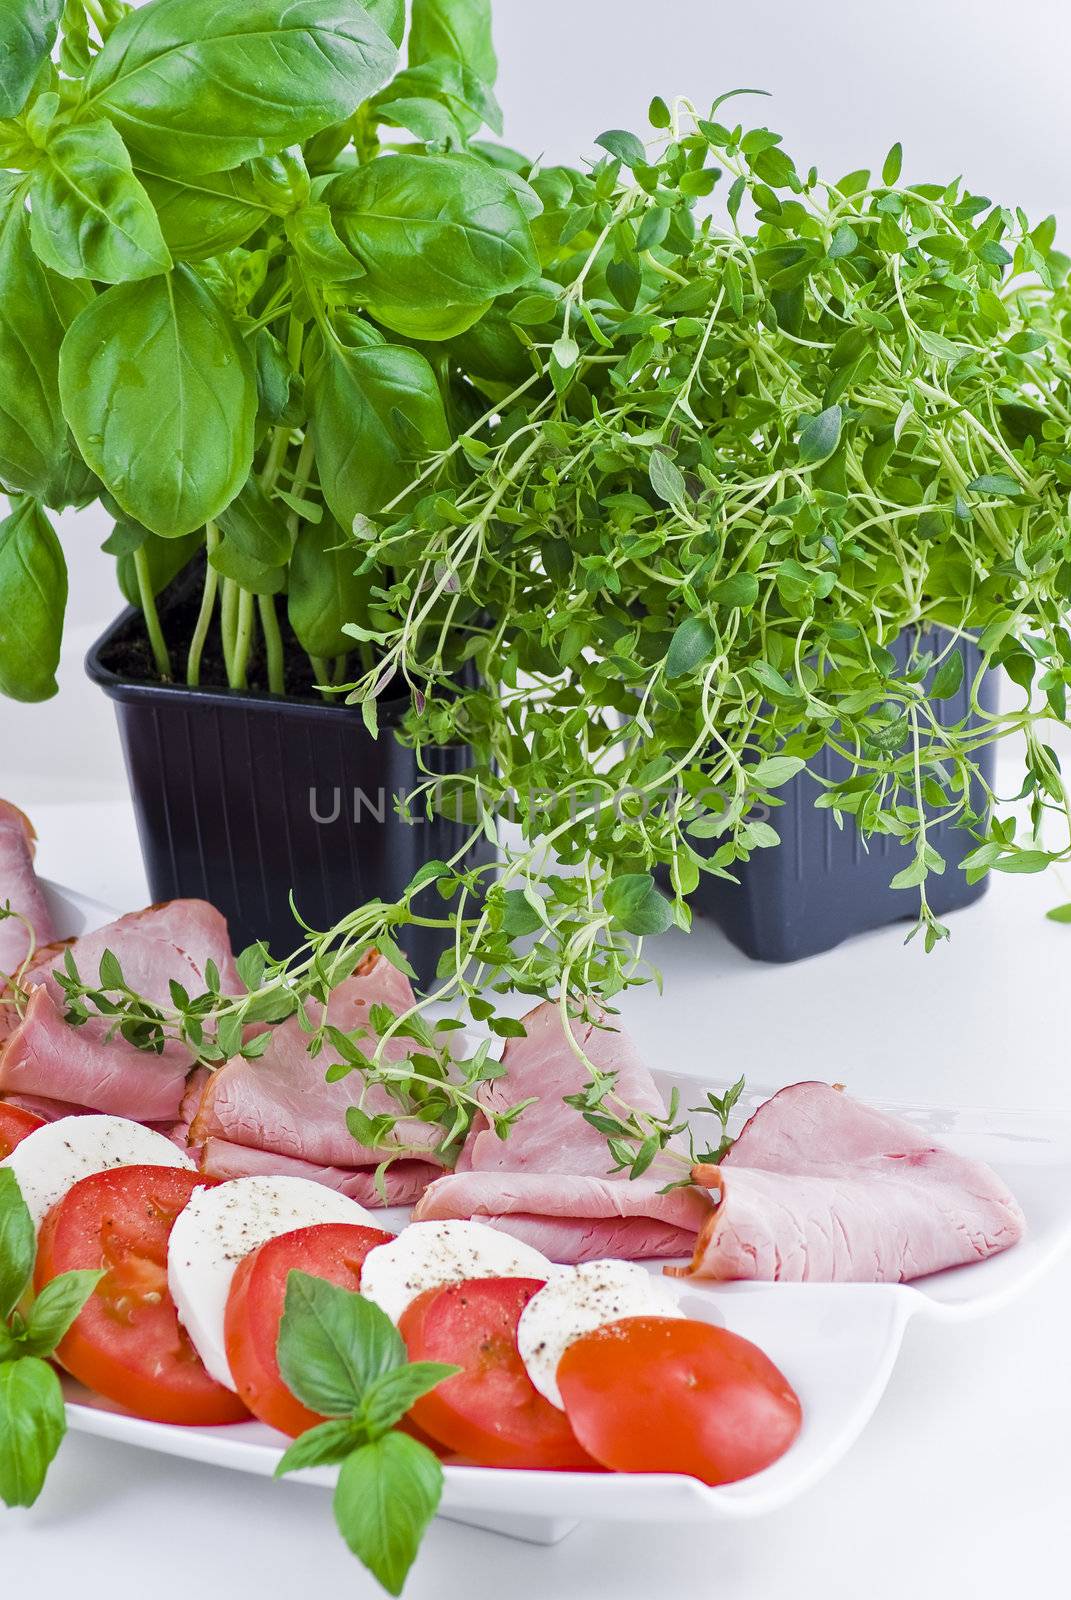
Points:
(20, 888)
(549, 1182)
(282, 1108)
(573, 1218)
(403, 1180)
(821, 1188)
(47, 1059)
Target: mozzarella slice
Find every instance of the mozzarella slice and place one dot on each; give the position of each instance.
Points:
(579, 1300)
(52, 1159)
(427, 1255)
(221, 1225)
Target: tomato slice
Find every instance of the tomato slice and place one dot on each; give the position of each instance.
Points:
(491, 1411)
(660, 1394)
(15, 1124)
(331, 1250)
(127, 1342)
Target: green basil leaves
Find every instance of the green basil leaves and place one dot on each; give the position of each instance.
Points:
(32, 1417)
(27, 34)
(439, 238)
(160, 392)
(36, 308)
(375, 411)
(90, 217)
(343, 1357)
(33, 599)
(202, 85)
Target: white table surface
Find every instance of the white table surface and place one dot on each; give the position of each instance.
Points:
(960, 1485)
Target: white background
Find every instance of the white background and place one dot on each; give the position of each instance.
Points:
(961, 1485)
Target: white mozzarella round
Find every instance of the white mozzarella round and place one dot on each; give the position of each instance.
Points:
(579, 1300)
(223, 1224)
(427, 1255)
(52, 1159)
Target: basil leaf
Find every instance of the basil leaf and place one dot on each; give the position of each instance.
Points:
(160, 392)
(32, 1425)
(36, 309)
(458, 29)
(90, 217)
(388, 1399)
(18, 1243)
(388, 1491)
(319, 248)
(468, 101)
(636, 905)
(257, 526)
(33, 599)
(27, 35)
(322, 1446)
(202, 85)
(438, 236)
(374, 411)
(333, 1344)
(210, 213)
(324, 592)
(390, 14)
(55, 1308)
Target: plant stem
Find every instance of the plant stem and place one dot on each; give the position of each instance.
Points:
(208, 605)
(228, 613)
(243, 640)
(273, 643)
(322, 669)
(150, 613)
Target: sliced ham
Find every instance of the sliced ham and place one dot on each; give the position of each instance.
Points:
(552, 1136)
(45, 1057)
(89, 1065)
(549, 1182)
(403, 1180)
(821, 1188)
(573, 1218)
(282, 1105)
(21, 889)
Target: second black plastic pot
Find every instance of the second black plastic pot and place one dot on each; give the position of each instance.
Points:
(242, 797)
(823, 884)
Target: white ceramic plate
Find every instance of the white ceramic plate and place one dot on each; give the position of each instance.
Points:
(836, 1343)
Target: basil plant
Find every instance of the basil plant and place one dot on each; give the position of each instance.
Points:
(234, 237)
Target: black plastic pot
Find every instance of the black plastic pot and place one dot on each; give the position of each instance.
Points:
(242, 797)
(822, 884)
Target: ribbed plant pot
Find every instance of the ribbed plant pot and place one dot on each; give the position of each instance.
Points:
(823, 884)
(241, 798)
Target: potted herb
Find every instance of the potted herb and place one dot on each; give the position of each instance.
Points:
(764, 490)
(234, 244)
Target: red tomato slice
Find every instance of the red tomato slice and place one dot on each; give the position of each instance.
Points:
(332, 1250)
(491, 1411)
(658, 1394)
(15, 1124)
(127, 1342)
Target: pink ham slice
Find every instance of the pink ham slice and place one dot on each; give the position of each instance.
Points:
(20, 888)
(549, 1182)
(821, 1188)
(573, 1218)
(403, 1180)
(281, 1107)
(46, 1059)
